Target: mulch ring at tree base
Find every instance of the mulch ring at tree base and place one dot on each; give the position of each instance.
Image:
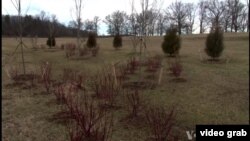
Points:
(150, 76)
(53, 49)
(25, 77)
(20, 81)
(122, 78)
(215, 61)
(178, 80)
(139, 85)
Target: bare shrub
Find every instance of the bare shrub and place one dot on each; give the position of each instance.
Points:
(150, 66)
(73, 77)
(70, 49)
(157, 61)
(103, 130)
(95, 50)
(66, 94)
(32, 78)
(105, 87)
(27, 80)
(12, 72)
(132, 65)
(46, 75)
(134, 102)
(59, 92)
(83, 51)
(160, 122)
(121, 72)
(75, 133)
(72, 82)
(153, 63)
(175, 68)
(92, 123)
(87, 120)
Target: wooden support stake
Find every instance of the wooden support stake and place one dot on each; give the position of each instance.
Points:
(201, 58)
(160, 76)
(113, 67)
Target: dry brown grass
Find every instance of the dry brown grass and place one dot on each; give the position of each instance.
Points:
(213, 94)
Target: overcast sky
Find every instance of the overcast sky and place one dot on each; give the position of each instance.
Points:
(63, 8)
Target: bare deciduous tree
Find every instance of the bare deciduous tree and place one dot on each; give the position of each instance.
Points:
(243, 21)
(132, 21)
(17, 5)
(226, 20)
(78, 19)
(177, 12)
(146, 20)
(247, 1)
(96, 23)
(215, 9)
(42, 15)
(202, 15)
(151, 17)
(116, 22)
(235, 16)
(161, 24)
(52, 27)
(88, 25)
(191, 13)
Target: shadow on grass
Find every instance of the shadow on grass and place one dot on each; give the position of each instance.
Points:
(215, 61)
(139, 85)
(178, 80)
(130, 120)
(61, 117)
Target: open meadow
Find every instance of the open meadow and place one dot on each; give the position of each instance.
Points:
(212, 93)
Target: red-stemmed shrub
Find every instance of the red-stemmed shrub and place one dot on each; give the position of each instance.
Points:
(175, 68)
(134, 102)
(70, 49)
(105, 87)
(160, 122)
(59, 92)
(73, 77)
(132, 65)
(92, 122)
(153, 64)
(12, 72)
(95, 50)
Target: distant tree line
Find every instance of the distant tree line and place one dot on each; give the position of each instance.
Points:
(231, 15)
(41, 25)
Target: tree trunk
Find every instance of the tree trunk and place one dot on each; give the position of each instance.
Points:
(179, 28)
(21, 34)
(201, 27)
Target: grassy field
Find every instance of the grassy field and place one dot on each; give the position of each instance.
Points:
(215, 93)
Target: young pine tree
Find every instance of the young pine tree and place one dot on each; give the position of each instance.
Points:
(117, 42)
(214, 43)
(91, 42)
(172, 43)
(51, 41)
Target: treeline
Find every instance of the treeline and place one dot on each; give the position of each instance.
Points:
(36, 26)
(230, 15)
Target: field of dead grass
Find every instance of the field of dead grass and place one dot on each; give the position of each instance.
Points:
(213, 93)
